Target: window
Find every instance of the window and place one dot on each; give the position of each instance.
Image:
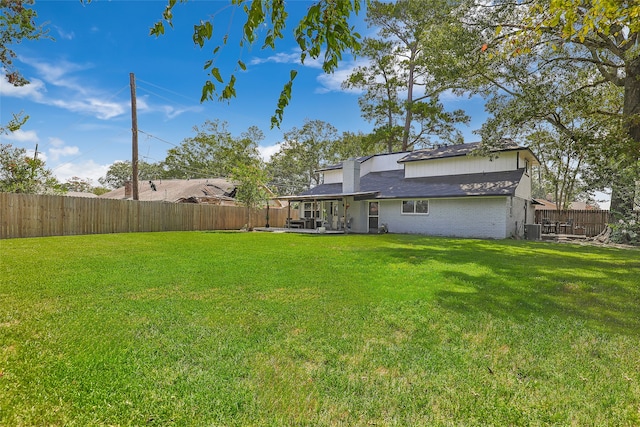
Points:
(415, 207)
(308, 210)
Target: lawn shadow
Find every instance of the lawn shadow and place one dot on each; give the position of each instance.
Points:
(517, 280)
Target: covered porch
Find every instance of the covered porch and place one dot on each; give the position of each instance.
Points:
(328, 213)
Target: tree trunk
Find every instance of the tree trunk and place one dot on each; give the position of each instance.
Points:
(623, 189)
(409, 108)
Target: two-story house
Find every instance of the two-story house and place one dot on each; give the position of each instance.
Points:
(446, 191)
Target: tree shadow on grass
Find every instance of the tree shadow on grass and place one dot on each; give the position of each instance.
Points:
(518, 280)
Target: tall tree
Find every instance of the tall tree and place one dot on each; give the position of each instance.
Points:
(380, 103)
(561, 161)
(595, 37)
(250, 177)
(352, 145)
(213, 152)
(402, 80)
(119, 172)
(305, 150)
(78, 184)
(20, 173)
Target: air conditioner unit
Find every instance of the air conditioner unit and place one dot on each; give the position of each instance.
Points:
(532, 231)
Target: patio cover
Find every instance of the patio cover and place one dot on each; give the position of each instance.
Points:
(330, 196)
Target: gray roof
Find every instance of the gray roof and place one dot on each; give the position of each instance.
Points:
(455, 151)
(393, 185)
(173, 190)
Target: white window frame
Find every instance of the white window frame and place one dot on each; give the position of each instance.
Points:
(415, 204)
(310, 210)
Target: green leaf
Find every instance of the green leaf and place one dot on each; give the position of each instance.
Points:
(215, 72)
(157, 30)
(242, 65)
(207, 90)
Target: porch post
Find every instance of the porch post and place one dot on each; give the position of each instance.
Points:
(288, 220)
(344, 203)
(314, 218)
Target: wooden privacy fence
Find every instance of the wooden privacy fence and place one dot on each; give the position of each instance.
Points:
(30, 215)
(588, 222)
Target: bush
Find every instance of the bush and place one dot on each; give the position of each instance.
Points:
(626, 231)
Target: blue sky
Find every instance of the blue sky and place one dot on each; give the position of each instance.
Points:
(79, 97)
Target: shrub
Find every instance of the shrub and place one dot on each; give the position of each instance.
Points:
(626, 230)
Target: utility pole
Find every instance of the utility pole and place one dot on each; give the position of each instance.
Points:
(134, 137)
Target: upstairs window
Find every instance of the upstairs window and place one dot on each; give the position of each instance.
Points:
(415, 207)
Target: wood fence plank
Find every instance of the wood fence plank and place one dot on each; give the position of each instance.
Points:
(29, 215)
(591, 221)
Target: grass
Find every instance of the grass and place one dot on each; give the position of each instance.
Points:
(237, 329)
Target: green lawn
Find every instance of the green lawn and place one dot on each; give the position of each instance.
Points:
(270, 329)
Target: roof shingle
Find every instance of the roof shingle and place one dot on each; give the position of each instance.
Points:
(393, 185)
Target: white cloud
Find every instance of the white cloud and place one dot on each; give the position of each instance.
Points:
(23, 136)
(64, 34)
(34, 90)
(333, 82)
(278, 58)
(268, 151)
(56, 153)
(172, 112)
(101, 109)
(75, 97)
(289, 58)
(86, 169)
(56, 142)
(58, 74)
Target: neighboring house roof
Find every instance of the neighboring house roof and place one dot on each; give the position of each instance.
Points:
(455, 151)
(181, 190)
(80, 194)
(583, 206)
(580, 206)
(393, 185)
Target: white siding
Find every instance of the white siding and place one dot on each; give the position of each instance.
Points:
(523, 190)
(382, 162)
(358, 212)
(385, 162)
(461, 165)
(516, 219)
(483, 217)
(332, 176)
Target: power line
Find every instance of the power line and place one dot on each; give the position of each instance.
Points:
(159, 139)
(165, 89)
(143, 89)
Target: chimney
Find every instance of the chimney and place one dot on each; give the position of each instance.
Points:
(350, 176)
(128, 189)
